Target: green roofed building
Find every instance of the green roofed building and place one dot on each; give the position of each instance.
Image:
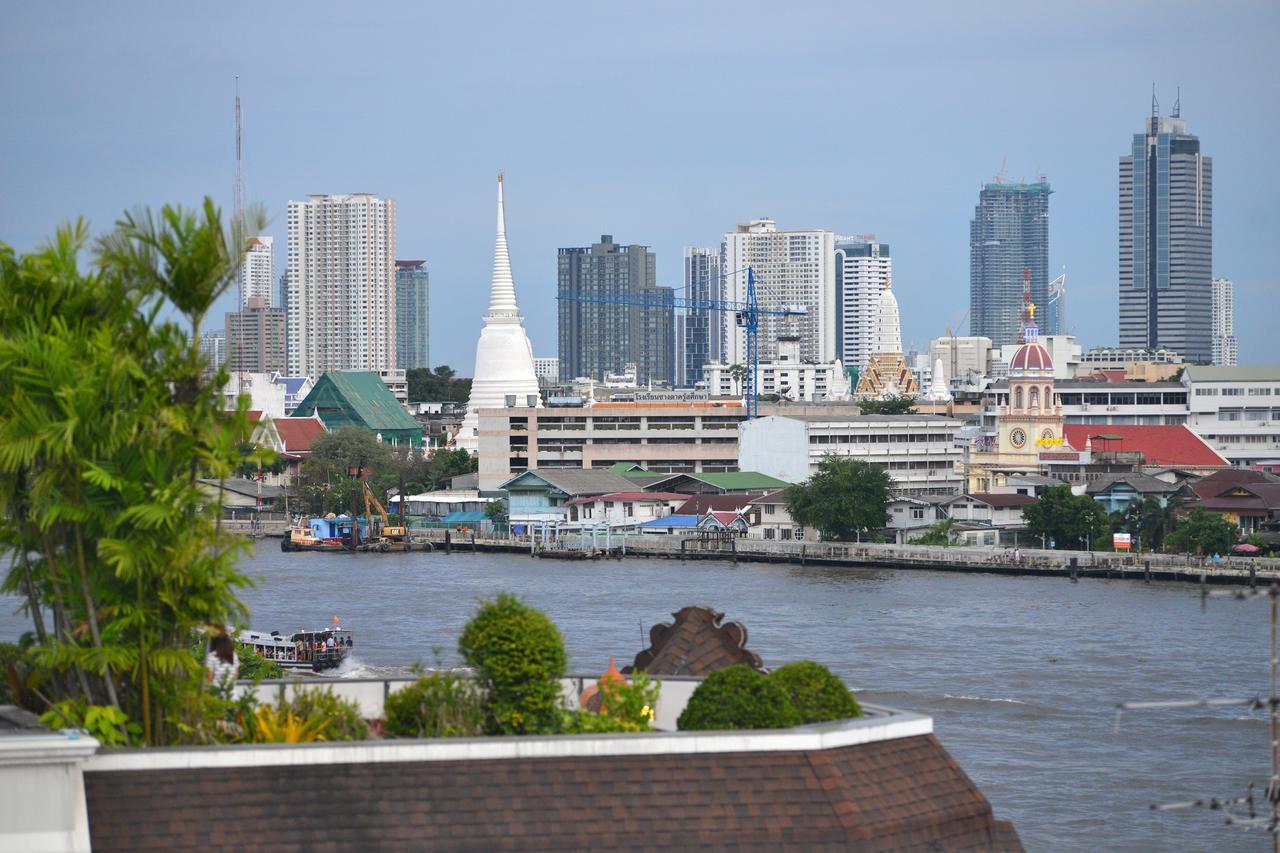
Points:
(360, 399)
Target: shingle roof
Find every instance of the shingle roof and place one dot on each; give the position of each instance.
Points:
(1140, 483)
(1170, 445)
(903, 793)
(702, 504)
(576, 481)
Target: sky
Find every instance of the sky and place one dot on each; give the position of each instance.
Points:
(663, 124)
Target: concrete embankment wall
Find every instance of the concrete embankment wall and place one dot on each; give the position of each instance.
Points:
(1164, 567)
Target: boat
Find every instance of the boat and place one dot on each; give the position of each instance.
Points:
(331, 533)
(306, 651)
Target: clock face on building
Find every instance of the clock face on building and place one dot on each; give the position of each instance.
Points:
(1047, 434)
(1018, 437)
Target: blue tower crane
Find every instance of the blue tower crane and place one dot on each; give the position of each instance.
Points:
(747, 313)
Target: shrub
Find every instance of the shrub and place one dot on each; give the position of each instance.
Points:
(738, 698)
(343, 715)
(624, 707)
(519, 658)
(438, 705)
(281, 725)
(107, 723)
(254, 666)
(815, 692)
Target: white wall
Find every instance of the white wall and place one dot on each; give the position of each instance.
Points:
(775, 445)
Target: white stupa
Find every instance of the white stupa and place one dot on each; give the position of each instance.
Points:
(938, 392)
(887, 375)
(504, 358)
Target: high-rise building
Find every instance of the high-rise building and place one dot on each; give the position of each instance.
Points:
(1008, 239)
(282, 298)
(597, 337)
(504, 376)
(257, 338)
(547, 369)
(863, 269)
(257, 272)
(213, 351)
(792, 268)
(1226, 353)
(698, 330)
(1166, 241)
(412, 314)
(342, 307)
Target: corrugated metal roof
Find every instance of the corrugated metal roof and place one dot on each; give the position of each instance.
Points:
(366, 398)
(1242, 373)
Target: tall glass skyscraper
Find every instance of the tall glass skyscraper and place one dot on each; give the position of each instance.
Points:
(1009, 235)
(698, 332)
(413, 314)
(1166, 241)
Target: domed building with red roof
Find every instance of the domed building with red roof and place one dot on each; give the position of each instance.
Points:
(1031, 420)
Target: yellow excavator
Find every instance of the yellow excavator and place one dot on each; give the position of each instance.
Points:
(391, 534)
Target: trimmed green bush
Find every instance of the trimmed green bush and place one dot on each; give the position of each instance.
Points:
(815, 691)
(519, 659)
(438, 705)
(738, 698)
(345, 722)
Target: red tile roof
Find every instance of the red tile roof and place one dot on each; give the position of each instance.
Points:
(298, 434)
(636, 497)
(254, 415)
(1173, 445)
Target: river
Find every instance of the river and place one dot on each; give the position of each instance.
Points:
(1020, 674)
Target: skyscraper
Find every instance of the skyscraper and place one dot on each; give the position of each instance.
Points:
(1166, 240)
(698, 330)
(1226, 353)
(792, 268)
(863, 269)
(257, 272)
(597, 337)
(213, 351)
(341, 295)
(1009, 237)
(258, 335)
(504, 374)
(412, 314)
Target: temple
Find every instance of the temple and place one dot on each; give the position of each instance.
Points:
(887, 374)
(504, 376)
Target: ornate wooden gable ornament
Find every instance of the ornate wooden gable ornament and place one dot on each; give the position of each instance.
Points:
(696, 643)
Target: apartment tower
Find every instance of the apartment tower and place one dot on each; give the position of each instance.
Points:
(863, 269)
(1008, 241)
(412, 314)
(698, 329)
(341, 292)
(1226, 352)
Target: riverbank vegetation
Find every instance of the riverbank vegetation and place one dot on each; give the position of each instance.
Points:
(844, 499)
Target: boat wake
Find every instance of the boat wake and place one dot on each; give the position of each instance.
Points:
(981, 699)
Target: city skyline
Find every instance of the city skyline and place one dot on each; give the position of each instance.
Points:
(120, 137)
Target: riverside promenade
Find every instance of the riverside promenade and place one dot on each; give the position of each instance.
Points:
(1068, 564)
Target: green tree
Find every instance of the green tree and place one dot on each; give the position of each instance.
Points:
(496, 511)
(106, 428)
(1202, 532)
(890, 406)
(844, 499)
(329, 480)
(439, 386)
(443, 465)
(939, 534)
(1149, 520)
(1067, 520)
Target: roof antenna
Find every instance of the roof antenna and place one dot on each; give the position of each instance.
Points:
(1177, 104)
(1155, 105)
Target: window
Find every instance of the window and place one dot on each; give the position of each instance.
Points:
(799, 532)
(768, 533)
(1233, 392)
(628, 509)
(917, 513)
(769, 509)
(786, 533)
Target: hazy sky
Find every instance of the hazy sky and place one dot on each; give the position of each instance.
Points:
(658, 123)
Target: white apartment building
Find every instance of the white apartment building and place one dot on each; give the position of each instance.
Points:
(547, 369)
(213, 350)
(663, 437)
(256, 276)
(920, 452)
(1115, 358)
(397, 382)
(863, 269)
(788, 376)
(1226, 352)
(1237, 411)
(341, 291)
(792, 269)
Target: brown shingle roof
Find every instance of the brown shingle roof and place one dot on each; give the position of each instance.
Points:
(696, 643)
(900, 794)
(702, 504)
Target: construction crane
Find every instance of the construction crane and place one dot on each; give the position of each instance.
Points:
(747, 314)
(389, 533)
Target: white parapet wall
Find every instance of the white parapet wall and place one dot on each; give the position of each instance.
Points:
(42, 805)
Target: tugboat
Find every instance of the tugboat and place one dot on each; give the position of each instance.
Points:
(331, 533)
(307, 651)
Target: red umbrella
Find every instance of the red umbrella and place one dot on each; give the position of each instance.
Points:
(1246, 548)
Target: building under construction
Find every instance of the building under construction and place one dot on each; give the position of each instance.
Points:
(1009, 235)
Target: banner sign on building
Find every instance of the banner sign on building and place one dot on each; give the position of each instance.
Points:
(1121, 541)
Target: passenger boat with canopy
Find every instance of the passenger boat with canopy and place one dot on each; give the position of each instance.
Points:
(308, 651)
